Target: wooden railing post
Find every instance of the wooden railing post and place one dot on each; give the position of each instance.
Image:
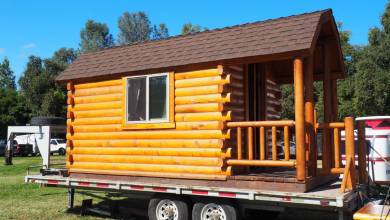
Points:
(337, 152)
(286, 143)
(262, 143)
(299, 120)
(350, 149)
(239, 143)
(250, 143)
(274, 147)
(362, 152)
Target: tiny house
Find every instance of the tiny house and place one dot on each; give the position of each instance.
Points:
(206, 108)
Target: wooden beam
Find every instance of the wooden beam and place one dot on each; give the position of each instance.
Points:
(335, 101)
(327, 96)
(311, 153)
(299, 119)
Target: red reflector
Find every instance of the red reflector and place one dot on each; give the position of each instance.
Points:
(227, 194)
(83, 184)
(102, 185)
(137, 187)
(200, 192)
(286, 199)
(159, 189)
(52, 182)
(324, 202)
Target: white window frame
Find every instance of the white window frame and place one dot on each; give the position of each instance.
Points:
(148, 121)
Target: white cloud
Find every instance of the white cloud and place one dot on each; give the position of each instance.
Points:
(29, 46)
(2, 50)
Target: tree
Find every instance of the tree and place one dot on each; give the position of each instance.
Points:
(38, 87)
(189, 28)
(372, 78)
(160, 32)
(95, 36)
(7, 78)
(134, 27)
(12, 107)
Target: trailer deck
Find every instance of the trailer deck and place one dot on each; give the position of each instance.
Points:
(327, 197)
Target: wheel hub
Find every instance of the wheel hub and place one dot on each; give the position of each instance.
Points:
(166, 210)
(213, 212)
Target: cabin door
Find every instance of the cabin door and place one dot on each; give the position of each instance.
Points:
(256, 100)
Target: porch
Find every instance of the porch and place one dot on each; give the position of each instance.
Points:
(262, 146)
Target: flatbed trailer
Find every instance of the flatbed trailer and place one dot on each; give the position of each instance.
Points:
(325, 198)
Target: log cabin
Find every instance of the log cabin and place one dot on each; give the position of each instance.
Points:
(205, 108)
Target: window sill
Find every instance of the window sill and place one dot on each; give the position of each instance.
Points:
(141, 126)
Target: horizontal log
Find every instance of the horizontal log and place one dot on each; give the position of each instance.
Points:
(97, 113)
(151, 174)
(95, 121)
(280, 123)
(201, 107)
(114, 82)
(163, 134)
(97, 128)
(203, 125)
(209, 98)
(98, 91)
(147, 167)
(337, 170)
(155, 151)
(198, 74)
(96, 106)
(172, 160)
(331, 125)
(199, 90)
(204, 81)
(97, 98)
(209, 116)
(261, 163)
(152, 143)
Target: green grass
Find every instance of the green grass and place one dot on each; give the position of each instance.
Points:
(19, 200)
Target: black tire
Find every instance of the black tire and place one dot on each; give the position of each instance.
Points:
(182, 207)
(229, 210)
(61, 151)
(47, 121)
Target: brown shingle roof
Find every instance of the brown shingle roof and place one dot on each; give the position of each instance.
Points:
(287, 34)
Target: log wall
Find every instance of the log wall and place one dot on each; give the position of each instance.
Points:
(194, 148)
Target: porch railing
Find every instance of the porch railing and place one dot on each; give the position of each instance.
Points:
(331, 151)
(249, 158)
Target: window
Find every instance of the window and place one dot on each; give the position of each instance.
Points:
(148, 99)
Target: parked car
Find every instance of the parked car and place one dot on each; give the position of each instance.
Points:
(58, 145)
(22, 149)
(28, 143)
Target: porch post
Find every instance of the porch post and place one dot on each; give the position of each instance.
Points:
(309, 117)
(299, 120)
(327, 101)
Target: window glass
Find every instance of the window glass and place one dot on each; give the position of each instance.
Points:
(53, 142)
(158, 98)
(136, 99)
(61, 141)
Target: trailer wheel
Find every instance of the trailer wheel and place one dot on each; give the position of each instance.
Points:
(167, 209)
(211, 211)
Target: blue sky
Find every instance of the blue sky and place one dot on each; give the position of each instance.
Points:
(42, 26)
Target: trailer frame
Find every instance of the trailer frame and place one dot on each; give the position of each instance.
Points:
(326, 198)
